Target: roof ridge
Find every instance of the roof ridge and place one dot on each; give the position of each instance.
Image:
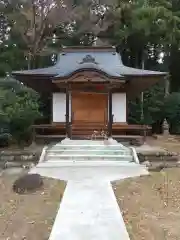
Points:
(89, 48)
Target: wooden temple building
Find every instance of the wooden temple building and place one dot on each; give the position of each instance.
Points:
(90, 87)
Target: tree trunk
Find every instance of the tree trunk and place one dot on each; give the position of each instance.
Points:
(174, 68)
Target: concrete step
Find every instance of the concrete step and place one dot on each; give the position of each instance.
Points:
(89, 125)
(86, 142)
(89, 151)
(101, 146)
(94, 128)
(85, 136)
(77, 154)
(83, 131)
(87, 133)
(60, 151)
(80, 155)
(89, 158)
(85, 163)
(100, 150)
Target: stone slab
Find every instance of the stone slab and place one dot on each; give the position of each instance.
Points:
(89, 211)
(96, 172)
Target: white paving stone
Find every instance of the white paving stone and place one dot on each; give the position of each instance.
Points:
(89, 211)
(109, 171)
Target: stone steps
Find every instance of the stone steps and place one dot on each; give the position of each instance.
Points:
(91, 158)
(87, 146)
(93, 152)
(85, 163)
(87, 154)
(95, 144)
(103, 147)
(88, 151)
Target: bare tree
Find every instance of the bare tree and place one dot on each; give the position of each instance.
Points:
(35, 21)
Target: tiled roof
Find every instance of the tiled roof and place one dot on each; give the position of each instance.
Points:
(105, 60)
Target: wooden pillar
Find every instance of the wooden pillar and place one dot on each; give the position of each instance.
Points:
(68, 133)
(110, 114)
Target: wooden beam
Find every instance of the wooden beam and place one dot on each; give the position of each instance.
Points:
(110, 122)
(67, 114)
(82, 79)
(92, 87)
(89, 75)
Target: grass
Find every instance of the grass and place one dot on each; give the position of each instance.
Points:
(31, 216)
(151, 205)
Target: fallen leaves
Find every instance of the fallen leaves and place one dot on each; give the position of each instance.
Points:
(28, 216)
(150, 205)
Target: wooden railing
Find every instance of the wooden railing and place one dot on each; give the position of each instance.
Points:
(117, 128)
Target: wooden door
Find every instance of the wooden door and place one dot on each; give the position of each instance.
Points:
(89, 107)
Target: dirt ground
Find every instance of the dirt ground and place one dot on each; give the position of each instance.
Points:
(31, 216)
(171, 143)
(151, 205)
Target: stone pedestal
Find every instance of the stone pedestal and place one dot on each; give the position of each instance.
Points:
(166, 128)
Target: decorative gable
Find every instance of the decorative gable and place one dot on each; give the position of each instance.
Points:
(88, 59)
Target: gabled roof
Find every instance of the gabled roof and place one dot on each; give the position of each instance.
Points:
(105, 60)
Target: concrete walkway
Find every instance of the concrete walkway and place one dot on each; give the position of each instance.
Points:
(89, 210)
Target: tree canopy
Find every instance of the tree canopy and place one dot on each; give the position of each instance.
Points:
(145, 32)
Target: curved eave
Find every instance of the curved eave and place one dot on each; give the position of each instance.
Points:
(40, 83)
(48, 71)
(134, 72)
(119, 70)
(42, 80)
(32, 75)
(138, 84)
(95, 70)
(156, 75)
